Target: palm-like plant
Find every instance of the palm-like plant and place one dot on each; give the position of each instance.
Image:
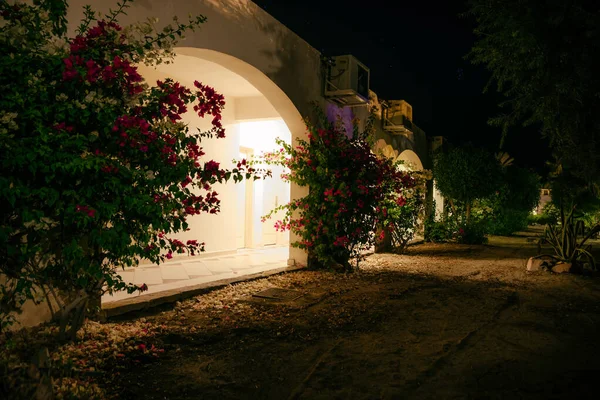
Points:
(568, 240)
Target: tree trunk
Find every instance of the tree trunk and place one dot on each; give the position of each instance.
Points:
(383, 245)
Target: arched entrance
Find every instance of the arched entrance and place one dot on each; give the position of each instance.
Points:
(411, 161)
(238, 243)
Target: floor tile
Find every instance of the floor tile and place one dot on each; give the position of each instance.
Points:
(192, 271)
(149, 276)
(217, 266)
(174, 272)
(196, 269)
(128, 276)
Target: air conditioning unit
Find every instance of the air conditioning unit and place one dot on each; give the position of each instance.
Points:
(397, 117)
(347, 81)
(436, 142)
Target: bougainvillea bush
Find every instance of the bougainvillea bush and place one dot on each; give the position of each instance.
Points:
(96, 167)
(403, 216)
(348, 185)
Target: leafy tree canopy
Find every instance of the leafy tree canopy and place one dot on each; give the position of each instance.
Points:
(543, 55)
(466, 174)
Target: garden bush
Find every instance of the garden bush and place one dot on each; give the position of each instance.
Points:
(471, 233)
(438, 231)
(464, 175)
(541, 219)
(350, 188)
(97, 170)
(507, 221)
(509, 207)
(403, 219)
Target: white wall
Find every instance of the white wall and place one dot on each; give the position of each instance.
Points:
(254, 108)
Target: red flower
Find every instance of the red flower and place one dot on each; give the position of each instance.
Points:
(341, 241)
(186, 182)
(211, 166)
(401, 201)
(86, 210)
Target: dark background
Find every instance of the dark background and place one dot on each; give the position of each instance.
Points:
(416, 52)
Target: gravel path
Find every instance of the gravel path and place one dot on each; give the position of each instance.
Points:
(441, 322)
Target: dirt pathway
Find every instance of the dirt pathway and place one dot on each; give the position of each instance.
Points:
(444, 321)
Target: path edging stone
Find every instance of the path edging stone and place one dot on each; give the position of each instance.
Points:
(148, 301)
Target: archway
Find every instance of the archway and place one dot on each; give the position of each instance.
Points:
(237, 241)
(411, 161)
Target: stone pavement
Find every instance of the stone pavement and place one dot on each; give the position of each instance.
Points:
(190, 271)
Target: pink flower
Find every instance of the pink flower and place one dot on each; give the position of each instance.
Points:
(169, 255)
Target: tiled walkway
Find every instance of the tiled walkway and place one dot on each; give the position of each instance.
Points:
(196, 270)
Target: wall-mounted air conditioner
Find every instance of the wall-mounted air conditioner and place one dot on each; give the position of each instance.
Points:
(347, 81)
(397, 117)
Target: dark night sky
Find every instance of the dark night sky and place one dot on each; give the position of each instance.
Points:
(415, 51)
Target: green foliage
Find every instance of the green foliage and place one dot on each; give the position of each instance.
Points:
(465, 174)
(543, 56)
(540, 219)
(438, 231)
(507, 221)
(568, 240)
(455, 229)
(507, 210)
(471, 233)
(549, 216)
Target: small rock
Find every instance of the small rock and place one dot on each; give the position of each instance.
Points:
(562, 268)
(536, 264)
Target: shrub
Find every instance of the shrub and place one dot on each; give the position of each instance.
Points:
(568, 240)
(541, 219)
(97, 168)
(438, 231)
(349, 190)
(466, 174)
(506, 211)
(454, 228)
(471, 233)
(404, 218)
(508, 221)
(549, 216)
